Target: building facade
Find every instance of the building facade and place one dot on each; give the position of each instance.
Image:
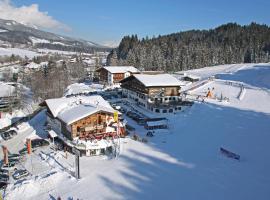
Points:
(112, 75)
(158, 93)
(85, 122)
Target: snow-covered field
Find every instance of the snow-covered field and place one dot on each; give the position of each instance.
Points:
(17, 51)
(183, 162)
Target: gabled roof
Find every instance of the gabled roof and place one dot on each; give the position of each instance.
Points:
(72, 109)
(157, 80)
(121, 69)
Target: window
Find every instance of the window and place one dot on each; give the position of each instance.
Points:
(164, 111)
(99, 119)
(171, 110)
(166, 99)
(157, 111)
(179, 108)
(102, 151)
(92, 152)
(170, 98)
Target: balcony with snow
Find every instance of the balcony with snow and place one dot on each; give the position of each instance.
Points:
(85, 122)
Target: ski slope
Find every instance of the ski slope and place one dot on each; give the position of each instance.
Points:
(183, 162)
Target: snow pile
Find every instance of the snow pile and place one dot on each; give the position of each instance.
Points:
(82, 88)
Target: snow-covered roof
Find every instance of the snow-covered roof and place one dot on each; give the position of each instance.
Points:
(73, 109)
(33, 65)
(78, 88)
(52, 133)
(121, 69)
(157, 80)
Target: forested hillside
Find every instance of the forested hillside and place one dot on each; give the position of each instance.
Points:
(229, 43)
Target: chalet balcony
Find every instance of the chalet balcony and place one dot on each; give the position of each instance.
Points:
(92, 128)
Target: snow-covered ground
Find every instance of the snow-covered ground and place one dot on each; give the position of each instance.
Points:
(183, 162)
(33, 65)
(82, 88)
(17, 51)
(28, 105)
(6, 90)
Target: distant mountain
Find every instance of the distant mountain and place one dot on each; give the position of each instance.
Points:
(14, 33)
(226, 44)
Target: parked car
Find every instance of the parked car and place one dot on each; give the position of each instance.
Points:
(12, 160)
(14, 156)
(123, 110)
(6, 136)
(8, 166)
(12, 133)
(39, 143)
(3, 185)
(3, 171)
(149, 134)
(4, 178)
(20, 174)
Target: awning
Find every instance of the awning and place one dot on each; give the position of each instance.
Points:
(52, 134)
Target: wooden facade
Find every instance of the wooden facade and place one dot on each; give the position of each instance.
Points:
(94, 124)
(117, 77)
(102, 74)
(90, 127)
(133, 84)
(111, 78)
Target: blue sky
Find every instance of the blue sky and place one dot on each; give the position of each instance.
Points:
(109, 20)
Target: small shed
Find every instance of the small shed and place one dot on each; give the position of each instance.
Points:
(161, 124)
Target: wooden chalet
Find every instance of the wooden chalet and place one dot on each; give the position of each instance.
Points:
(114, 74)
(87, 119)
(158, 93)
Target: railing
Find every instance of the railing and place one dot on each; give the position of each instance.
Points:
(171, 103)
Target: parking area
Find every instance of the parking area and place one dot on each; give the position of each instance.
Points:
(20, 165)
